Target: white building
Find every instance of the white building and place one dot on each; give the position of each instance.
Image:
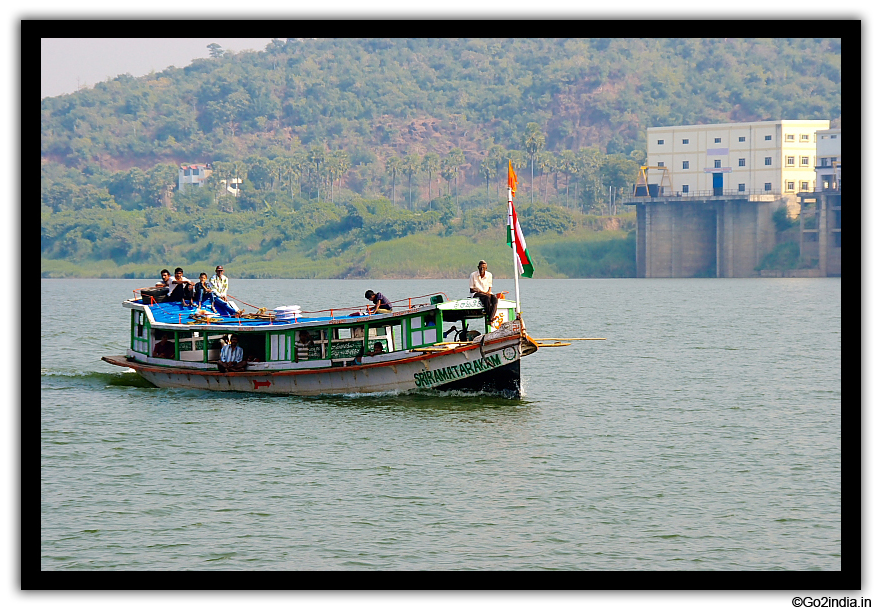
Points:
(828, 169)
(196, 173)
(774, 157)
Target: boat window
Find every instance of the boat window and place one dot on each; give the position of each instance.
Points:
(140, 333)
(386, 334)
(306, 351)
(280, 346)
(423, 331)
(253, 346)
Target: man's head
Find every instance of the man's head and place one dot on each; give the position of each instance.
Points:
(203, 276)
(219, 270)
(369, 295)
(482, 266)
(163, 337)
(179, 272)
(378, 347)
(305, 336)
(164, 274)
(234, 339)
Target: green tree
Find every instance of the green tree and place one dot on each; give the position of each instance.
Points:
(410, 165)
(431, 164)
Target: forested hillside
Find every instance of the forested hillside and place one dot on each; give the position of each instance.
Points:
(344, 144)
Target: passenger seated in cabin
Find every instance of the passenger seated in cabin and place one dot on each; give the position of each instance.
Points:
(164, 349)
(378, 349)
(481, 285)
(180, 288)
(302, 345)
(380, 303)
(231, 357)
(202, 291)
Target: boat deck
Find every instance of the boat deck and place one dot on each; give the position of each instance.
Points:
(171, 312)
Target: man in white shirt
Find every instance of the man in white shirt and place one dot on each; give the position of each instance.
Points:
(219, 283)
(481, 285)
(231, 357)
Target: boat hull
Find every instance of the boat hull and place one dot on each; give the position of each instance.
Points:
(478, 367)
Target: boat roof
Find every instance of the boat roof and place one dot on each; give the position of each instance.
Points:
(176, 315)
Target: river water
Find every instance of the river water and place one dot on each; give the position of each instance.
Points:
(703, 434)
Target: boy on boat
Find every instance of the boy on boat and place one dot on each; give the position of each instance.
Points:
(231, 357)
(481, 285)
(380, 303)
(202, 291)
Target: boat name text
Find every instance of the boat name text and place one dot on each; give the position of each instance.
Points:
(426, 379)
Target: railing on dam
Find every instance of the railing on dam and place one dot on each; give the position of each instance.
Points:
(755, 194)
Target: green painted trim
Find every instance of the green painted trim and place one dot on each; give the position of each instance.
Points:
(177, 347)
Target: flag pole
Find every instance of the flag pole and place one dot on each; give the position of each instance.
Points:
(514, 253)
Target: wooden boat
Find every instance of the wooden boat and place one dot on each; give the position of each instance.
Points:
(416, 353)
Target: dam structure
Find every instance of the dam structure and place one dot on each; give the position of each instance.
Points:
(710, 235)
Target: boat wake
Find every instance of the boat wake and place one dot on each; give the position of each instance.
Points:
(125, 378)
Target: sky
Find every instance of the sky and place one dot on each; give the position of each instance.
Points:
(67, 63)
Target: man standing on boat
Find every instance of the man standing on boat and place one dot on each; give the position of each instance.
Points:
(231, 357)
(219, 283)
(481, 285)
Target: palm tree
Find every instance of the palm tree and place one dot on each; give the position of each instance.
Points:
(410, 165)
(567, 164)
(496, 155)
(338, 165)
(316, 158)
(393, 166)
(431, 164)
(488, 170)
(545, 159)
(533, 140)
(456, 158)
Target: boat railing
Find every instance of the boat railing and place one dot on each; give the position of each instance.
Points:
(338, 310)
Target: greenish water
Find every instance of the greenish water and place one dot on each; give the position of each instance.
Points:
(703, 434)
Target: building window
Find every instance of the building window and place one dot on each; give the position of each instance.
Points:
(790, 161)
(741, 187)
(661, 141)
(768, 186)
(768, 160)
(717, 163)
(768, 138)
(789, 137)
(742, 139)
(832, 136)
(685, 188)
(742, 162)
(803, 186)
(823, 161)
(717, 140)
(803, 137)
(804, 161)
(685, 164)
(685, 140)
(661, 164)
(791, 185)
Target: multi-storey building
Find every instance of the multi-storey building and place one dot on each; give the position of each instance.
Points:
(776, 157)
(828, 167)
(196, 173)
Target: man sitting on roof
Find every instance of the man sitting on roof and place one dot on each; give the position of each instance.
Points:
(380, 303)
(181, 288)
(232, 358)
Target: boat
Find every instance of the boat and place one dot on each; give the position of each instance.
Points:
(340, 355)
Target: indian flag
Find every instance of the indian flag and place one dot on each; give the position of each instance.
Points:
(515, 239)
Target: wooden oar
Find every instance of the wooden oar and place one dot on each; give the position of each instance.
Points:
(568, 339)
(555, 344)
